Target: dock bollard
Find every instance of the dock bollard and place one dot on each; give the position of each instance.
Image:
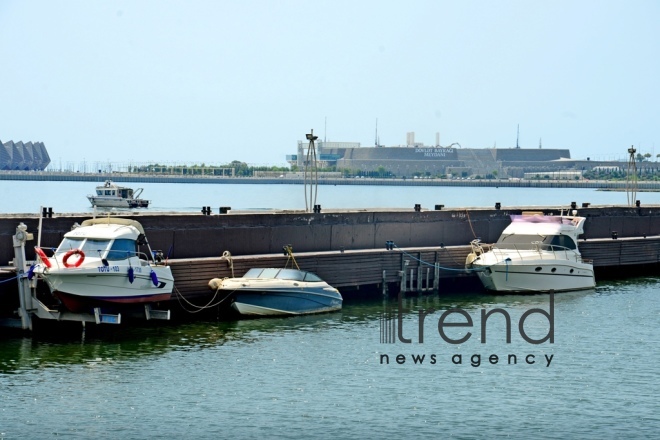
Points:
(418, 207)
(498, 205)
(615, 235)
(206, 210)
(225, 209)
(439, 207)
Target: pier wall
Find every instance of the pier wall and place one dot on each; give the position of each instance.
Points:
(191, 235)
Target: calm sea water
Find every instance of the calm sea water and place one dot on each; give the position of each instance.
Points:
(323, 376)
(28, 197)
(327, 376)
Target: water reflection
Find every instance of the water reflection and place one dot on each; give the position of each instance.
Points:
(119, 344)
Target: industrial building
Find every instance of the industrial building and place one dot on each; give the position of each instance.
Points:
(417, 159)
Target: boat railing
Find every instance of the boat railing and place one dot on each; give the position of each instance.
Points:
(155, 258)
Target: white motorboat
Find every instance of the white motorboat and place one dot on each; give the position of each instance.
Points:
(535, 253)
(269, 291)
(99, 262)
(111, 195)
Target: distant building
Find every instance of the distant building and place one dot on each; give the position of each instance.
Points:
(415, 158)
(21, 156)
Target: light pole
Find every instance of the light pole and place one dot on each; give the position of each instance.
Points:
(311, 173)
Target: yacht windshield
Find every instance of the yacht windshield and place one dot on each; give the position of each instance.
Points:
(525, 241)
(290, 274)
(90, 246)
(95, 248)
(122, 248)
(69, 244)
(283, 274)
(312, 278)
(253, 273)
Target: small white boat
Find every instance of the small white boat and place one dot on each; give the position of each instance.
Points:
(111, 195)
(535, 253)
(262, 292)
(99, 262)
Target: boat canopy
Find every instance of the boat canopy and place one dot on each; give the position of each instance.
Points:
(114, 221)
(544, 219)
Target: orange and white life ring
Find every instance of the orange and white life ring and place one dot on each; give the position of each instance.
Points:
(42, 255)
(78, 252)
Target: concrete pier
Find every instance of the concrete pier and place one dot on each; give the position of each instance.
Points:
(194, 235)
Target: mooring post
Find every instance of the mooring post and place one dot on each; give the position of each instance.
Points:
(24, 293)
(436, 277)
(426, 285)
(404, 280)
(384, 283)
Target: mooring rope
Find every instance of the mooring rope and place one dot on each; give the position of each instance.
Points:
(9, 279)
(200, 308)
(465, 269)
(470, 223)
(289, 251)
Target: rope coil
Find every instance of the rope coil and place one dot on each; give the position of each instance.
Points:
(226, 255)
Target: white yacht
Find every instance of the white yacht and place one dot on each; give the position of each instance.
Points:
(111, 195)
(535, 253)
(99, 262)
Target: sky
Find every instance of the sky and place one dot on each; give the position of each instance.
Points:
(215, 81)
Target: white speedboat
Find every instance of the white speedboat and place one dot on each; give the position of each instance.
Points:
(99, 262)
(111, 195)
(535, 253)
(270, 291)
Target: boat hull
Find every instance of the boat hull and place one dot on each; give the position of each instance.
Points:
(537, 276)
(80, 289)
(117, 202)
(284, 303)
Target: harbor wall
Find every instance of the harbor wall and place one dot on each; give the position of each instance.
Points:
(192, 235)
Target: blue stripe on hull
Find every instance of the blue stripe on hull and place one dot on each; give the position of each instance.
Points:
(290, 302)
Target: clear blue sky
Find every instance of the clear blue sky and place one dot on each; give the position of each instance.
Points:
(216, 81)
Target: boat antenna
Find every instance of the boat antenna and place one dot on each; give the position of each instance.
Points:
(518, 136)
(631, 177)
